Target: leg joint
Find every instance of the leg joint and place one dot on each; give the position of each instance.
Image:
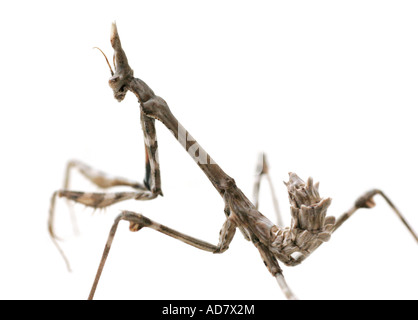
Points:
(137, 221)
(366, 201)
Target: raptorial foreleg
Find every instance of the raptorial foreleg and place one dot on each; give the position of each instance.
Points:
(149, 189)
(98, 177)
(90, 199)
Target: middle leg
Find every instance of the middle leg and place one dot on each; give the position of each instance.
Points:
(138, 221)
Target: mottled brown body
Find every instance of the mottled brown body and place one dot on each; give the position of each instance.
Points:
(310, 226)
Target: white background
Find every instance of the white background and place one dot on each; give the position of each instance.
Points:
(326, 88)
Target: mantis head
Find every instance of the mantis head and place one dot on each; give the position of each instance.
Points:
(123, 74)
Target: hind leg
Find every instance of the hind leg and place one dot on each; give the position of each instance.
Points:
(263, 171)
(366, 201)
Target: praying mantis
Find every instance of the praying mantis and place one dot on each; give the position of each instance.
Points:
(310, 225)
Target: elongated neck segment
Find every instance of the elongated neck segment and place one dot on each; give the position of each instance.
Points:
(155, 107)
